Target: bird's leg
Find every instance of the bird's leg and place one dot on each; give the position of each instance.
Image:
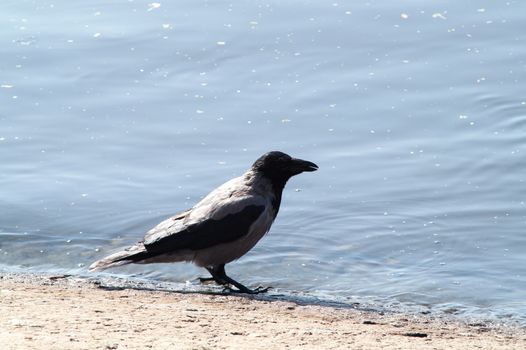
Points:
(215, 271)
(219, 275)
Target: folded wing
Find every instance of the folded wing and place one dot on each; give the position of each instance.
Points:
(204, 227)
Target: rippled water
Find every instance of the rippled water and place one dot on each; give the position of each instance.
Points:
(116, 115)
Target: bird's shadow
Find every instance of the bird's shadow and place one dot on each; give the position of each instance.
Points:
(193, 287)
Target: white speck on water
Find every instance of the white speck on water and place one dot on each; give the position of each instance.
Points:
(167, 26)
(462, 116)
(404, 15)
(285, 120)
(96, 35)
(6, 86)
(438, 15)
(81, 265)
(68, 241)
(481, 10)
(153, 6)
(221, 43)
(84, 195)
(348, 13)
(199, 111)
(471, 123)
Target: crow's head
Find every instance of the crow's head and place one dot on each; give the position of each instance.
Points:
(279, 166)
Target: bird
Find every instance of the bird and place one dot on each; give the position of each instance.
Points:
(220, 228)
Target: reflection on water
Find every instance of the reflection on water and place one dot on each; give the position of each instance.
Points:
(415, 114)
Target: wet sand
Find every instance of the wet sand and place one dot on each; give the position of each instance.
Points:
(51, 312)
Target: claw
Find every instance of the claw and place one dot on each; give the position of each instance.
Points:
(261, 289)
(258, 290)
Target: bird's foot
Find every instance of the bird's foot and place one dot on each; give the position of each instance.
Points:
(219, 275)
(245, 290)
(261, 289)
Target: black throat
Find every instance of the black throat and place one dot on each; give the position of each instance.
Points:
(278, 184)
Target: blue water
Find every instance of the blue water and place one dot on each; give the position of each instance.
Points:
(115, 115)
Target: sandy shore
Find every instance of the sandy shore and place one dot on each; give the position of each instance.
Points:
(39, 312)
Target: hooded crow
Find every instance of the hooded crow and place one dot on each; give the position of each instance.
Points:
(223, 226)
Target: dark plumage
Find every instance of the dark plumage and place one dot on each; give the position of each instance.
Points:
(223, 226)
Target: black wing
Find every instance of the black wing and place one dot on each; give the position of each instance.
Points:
(208, 233)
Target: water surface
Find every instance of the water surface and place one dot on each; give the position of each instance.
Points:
(114, 116)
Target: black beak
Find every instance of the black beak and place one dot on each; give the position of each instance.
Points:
(300, 165)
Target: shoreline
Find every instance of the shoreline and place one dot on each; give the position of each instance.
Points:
(68, 312)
